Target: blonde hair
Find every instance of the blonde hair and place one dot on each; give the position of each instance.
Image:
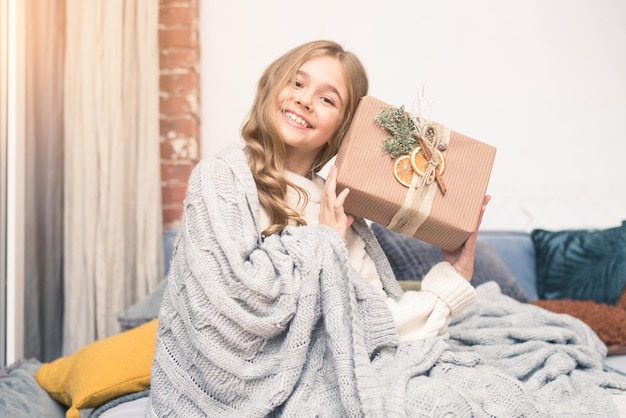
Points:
(265, 148)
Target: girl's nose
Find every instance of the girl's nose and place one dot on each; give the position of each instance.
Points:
(303, 100)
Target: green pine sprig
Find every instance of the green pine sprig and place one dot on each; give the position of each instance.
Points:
(402, 129)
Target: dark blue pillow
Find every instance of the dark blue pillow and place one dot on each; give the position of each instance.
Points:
(411, 259)
(581, 264)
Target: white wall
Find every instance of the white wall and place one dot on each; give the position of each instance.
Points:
(542, 80)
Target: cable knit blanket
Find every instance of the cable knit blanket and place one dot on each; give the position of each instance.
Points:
(284, 326)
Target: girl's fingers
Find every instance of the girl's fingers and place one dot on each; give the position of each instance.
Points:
(341, 198)
(463, 258)
(331, 184)
(331, 211)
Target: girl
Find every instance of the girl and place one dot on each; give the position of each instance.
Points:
(309, 108)
(278, 303)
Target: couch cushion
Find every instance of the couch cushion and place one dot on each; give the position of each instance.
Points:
(21, 395)
(411, 259)
(143, 311)
(581, 264)
(518, 253)
(607, 321)
(102, 370)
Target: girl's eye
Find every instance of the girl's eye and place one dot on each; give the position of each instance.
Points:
(328, 101)
(297, 84)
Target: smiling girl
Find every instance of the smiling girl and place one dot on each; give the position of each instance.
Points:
(275, 295)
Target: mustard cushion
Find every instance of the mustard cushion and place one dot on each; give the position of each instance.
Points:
(102, 370)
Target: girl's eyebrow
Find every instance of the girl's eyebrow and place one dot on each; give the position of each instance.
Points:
(330, 87)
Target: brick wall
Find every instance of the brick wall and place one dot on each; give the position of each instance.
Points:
(179, 101)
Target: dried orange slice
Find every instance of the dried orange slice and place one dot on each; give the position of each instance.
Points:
(403, 170)
(419, 163)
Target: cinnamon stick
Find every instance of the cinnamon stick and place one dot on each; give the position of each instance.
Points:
(428, 155)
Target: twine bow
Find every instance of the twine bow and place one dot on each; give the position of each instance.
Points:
(428, 150)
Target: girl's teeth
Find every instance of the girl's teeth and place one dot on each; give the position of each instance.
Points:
(296, 119)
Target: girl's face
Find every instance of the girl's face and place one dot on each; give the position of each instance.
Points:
(310, 109)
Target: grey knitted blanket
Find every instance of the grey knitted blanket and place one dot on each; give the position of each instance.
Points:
(285, 327)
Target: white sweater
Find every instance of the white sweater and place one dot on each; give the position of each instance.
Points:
(418, 314)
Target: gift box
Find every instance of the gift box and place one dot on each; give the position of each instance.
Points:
(433, 189)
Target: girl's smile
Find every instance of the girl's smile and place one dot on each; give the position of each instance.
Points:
(297, 119)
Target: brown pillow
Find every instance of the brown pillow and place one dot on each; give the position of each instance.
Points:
(607, 321)
(621, 302)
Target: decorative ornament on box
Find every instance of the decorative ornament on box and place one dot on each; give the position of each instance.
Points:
(413, 146)
(417, 177)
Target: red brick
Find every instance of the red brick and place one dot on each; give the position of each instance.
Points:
(172, 215)
(173, 173)
(175, 105)
(178, 58)
(179, 37)
(177, 15)
(179, 84)
(172, 127)
(167, 3)
(167, 150)
(180, 149)
(173, 193)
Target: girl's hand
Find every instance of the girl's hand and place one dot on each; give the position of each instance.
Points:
(331, 206)
(462, 259)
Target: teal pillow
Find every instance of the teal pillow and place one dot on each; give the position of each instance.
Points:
(581, 264)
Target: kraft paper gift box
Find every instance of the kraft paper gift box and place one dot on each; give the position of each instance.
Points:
(421, 210)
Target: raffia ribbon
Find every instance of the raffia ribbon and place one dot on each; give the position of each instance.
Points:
(429, 147)
(421, 194)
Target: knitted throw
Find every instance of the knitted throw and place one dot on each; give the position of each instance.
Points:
(285, 327)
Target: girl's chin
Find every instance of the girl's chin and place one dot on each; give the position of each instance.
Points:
(293, 134)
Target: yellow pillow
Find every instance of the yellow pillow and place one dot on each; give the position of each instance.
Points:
(102, 370)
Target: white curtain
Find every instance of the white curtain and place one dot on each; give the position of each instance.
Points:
(113, 222)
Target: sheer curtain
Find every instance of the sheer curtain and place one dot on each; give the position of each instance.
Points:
(43, 252)
(112, 215)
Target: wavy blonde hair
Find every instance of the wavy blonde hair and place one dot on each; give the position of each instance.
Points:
(265, 148)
